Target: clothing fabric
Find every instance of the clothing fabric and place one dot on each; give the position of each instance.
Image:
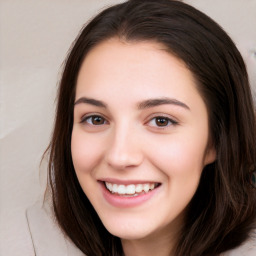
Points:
(48, 239)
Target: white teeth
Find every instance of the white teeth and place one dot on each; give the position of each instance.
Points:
(121, 190)
(138, 188)
(114, 188)
(109, 186)
(130, 189)
(146, 187)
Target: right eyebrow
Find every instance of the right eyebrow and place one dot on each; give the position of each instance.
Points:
(161, 101)
(90, 101)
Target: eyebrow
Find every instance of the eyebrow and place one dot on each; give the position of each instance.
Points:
(161, 101)
(90, 101)
(142, 105)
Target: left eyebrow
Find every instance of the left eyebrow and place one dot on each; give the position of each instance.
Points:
(161, 101)
(90, 101)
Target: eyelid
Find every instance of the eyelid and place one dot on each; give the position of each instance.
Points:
(90, 115)
(173, 121)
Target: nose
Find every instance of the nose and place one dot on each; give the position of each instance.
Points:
(124, 148)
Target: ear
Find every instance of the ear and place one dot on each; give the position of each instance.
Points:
(210, 155)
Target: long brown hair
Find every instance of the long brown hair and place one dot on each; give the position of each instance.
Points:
(222, 212)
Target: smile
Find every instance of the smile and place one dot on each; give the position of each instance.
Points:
(129, 194)
(130, 189)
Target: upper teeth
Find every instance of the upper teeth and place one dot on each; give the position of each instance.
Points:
(129, 189)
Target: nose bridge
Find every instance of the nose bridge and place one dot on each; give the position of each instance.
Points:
(123, 149)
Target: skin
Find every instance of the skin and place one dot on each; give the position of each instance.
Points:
(128, 143)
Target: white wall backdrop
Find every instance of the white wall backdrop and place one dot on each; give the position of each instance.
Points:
(34, 38)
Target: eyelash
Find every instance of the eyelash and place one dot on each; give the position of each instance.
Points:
(170, 122)
(90, 117)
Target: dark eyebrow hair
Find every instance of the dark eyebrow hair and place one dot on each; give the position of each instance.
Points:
(142, 105)
(94, 102)
(161, 101)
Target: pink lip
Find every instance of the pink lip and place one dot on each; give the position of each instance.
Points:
(123, 201)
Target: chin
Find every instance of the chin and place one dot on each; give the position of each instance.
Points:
(127, 229)
(130, 229)
(130, 234)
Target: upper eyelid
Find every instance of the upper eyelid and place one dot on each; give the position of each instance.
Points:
(148, 119)
(88, 115)
(172, 122)
(167, 116)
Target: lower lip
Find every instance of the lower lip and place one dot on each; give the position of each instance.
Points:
(126, 201)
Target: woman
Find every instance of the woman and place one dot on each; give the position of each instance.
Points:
(153, 150)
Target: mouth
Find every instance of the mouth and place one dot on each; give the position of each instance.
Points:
(130, 190)
(125, 194)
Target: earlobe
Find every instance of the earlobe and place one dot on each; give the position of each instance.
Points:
(210, 155)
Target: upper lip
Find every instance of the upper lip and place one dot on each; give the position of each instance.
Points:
(126, 182)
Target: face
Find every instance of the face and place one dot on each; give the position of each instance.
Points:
(140, 137)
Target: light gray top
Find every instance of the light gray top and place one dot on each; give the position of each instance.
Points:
(48, 240)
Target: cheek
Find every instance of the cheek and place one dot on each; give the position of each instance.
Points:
(181, 160)
(182, 163)
(179, 156)
(85, 151)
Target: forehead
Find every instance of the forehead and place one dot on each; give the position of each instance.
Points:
(115, 62)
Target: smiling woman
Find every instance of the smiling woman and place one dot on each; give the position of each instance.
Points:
(134, 140)
(153, 150)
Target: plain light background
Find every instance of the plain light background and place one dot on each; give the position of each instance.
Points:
(35, 36)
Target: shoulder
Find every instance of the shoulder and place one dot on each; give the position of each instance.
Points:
(46, 236)
(248, 248)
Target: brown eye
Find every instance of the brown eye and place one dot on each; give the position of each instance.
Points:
(162, 121)
(97, 120)
(94, 120)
